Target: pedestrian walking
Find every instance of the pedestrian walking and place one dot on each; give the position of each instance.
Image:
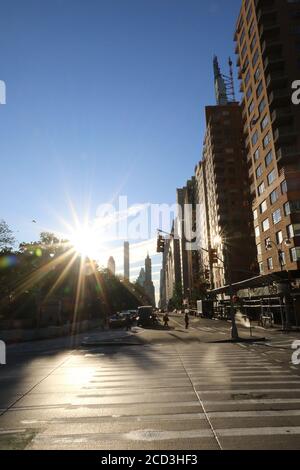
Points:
(128, 323)
(166, 320)
(186, 319)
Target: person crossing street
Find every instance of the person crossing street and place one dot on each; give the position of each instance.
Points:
(166, 320)
(186, 319)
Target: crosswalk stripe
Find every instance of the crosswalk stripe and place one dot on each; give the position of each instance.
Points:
(253, 414)
(253, 401)
(251, 390)
(267, 431)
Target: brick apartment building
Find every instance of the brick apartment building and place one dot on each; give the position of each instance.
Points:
(268, 46)
(223, 196)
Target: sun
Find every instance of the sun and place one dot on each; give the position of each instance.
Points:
(85, 242)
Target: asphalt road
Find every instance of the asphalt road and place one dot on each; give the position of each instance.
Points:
(152, 389)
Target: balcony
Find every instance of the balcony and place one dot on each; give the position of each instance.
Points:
(271, 46)
(287, 154)
(272, 63)
(276, 79)
(265, 11)
(280, 97)
(267, 28)
(282, 116)
(285, 135)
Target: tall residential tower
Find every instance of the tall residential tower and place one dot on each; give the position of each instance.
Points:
(126, 261)
(268, 47)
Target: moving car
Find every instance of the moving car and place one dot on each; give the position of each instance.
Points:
(146, 316)
(117, 321)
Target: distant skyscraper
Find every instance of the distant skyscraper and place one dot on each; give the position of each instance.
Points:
(126, 260)
(142, 277)
(148, 284)
(111, 265)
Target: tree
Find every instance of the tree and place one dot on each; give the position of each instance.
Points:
(177, 298)
(6, 236)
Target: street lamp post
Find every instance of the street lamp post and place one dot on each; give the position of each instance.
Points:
(280, 251)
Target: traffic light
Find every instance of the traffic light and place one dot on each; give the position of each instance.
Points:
(207, 274)
(213, 256)
(160, 244)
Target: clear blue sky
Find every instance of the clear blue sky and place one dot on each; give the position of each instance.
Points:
(103, 97)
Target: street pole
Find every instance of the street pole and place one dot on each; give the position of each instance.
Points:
(234, 330)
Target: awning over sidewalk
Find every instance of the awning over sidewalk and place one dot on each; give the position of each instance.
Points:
(258, 281)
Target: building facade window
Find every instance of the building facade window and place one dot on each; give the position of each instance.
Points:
(284, 187)
(265, 225)
(276, 216)
(259, 89)
(262, 106)
(264, 123)
(279, 237)
(286, 208)
(259, 171)
(290, 231)
(257, 232)
(254, 138)
(251, 29)
(274, 196)
(257, 74)
(296, 229)
(256, 154)
(247, 78)
(266, 140)
(249, 92)
(263, 207)
(261, 188)
(295, 206)
(242, 37)
(270, 263)
(253, 43)
(251, 107)
(269, 158)
(295, 254)
(255, 58)
(271, 176)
